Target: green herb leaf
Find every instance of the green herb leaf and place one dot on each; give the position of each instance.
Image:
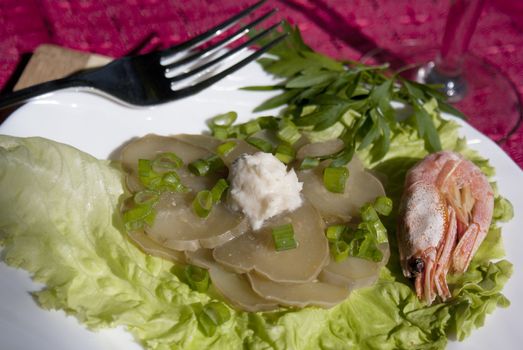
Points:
(309, 80)
(426, 128)
(277, 101)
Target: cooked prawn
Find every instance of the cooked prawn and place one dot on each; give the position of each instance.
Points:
(445, 214)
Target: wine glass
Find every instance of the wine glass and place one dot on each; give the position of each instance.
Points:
(488, 98)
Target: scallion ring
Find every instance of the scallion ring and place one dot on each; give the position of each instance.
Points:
(250, 127)
(226, 119)
(197, 278)
(199, 167)
(202, 203)
(309, 163)
(261, 144)
(283, 237)
(335, 232)
(340, 250)
(289, 133)
(285, 153)
(334, 179)
(383, 205)
(218, 190)
(368, 213)
(146, 197)
(213, 315)
(225, 148)
(167, 161)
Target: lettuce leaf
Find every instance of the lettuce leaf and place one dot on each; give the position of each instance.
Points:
(60, 221)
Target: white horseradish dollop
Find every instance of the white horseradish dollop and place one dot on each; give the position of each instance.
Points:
(261, 187)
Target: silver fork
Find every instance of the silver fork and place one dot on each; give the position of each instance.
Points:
(163, 76)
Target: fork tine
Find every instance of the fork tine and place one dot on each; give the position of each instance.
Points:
(229, 53)
(197, 40)
(240, 32)
(190, 90)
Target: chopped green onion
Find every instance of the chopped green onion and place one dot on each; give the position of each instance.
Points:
(144, 167)
(134, 225)
(335, 232)
(215, 163)
(218, 190)
(146, 197)
(137, 213)
(202, 203)
(146, 174)
(149, 219)
(309, 163)
(135, 218)
(226, 119)
(217, 312)
(220, 132)
(376, 228)
(383, 205)
(368, 213)
(285, 153)
(199, 167)
(171, 182)
(197, 278)
(268, 122)
(334, 179)
(339, 250)
(283, 237)
(225, 148)
(234, 132)
(167, 161)
(250, 127)
(380, 230)
(261, 144)
(363, 243)
(206, 325)
(213, 315)
(289, 133)
(202, 167)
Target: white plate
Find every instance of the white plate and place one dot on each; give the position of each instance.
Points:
(99, 126)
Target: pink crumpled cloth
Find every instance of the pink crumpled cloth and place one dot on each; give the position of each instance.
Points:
(340, 28)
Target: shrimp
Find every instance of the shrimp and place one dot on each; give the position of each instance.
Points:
(445, 214)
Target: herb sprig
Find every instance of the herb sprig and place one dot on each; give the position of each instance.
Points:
(349, 100)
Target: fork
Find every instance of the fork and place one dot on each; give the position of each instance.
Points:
(159, 76)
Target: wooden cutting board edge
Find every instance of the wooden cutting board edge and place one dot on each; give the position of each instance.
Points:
(50, 62)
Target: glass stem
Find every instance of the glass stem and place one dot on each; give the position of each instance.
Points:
(461, 23)
(446, 70)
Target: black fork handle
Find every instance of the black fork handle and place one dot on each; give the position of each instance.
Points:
(23, 95)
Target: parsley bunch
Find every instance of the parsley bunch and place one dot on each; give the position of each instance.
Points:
(347, 99)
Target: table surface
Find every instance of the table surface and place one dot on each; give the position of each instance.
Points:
(340, 28)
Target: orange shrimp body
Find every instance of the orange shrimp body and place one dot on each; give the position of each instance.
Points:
(445, 214)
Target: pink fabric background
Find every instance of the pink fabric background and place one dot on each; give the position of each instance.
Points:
(340, 28)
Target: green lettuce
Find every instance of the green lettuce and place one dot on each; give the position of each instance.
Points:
(60, 221)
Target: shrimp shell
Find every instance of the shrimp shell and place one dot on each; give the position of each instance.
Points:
(445, 214)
